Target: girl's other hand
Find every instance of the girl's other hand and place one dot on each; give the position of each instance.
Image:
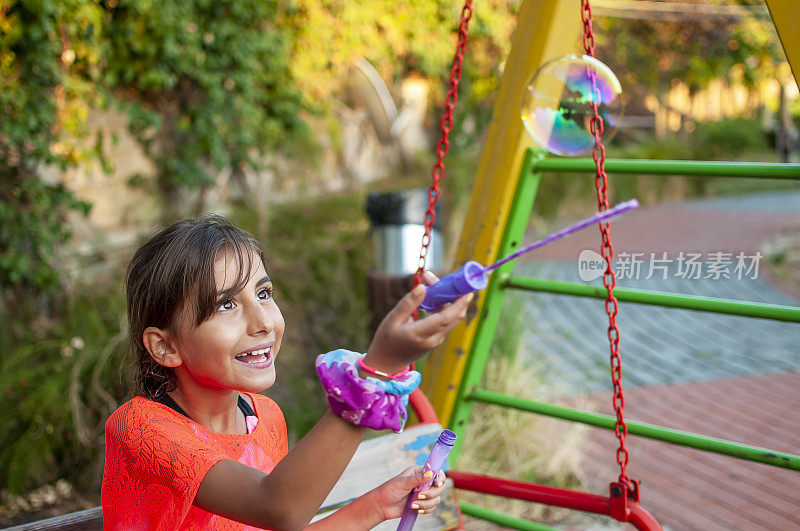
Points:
(400, 340)
(392, 496)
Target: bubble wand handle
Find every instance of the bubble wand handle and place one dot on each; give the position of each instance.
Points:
(434, 463)
(450, 287)
(600, 216)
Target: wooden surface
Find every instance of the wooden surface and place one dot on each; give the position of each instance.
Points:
(88, 520)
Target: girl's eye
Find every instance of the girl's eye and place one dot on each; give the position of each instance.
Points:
(265, 293)
(227, 305)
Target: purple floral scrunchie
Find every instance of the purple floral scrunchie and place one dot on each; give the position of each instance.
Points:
(367, 402)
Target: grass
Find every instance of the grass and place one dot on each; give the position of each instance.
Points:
(782, 260)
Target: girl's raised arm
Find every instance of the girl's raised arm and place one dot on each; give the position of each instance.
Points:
(290, 495)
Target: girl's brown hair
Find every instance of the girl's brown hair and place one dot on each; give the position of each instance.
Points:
(173, 271)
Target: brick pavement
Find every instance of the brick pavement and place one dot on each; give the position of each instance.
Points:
(688, 489)
(566, 337)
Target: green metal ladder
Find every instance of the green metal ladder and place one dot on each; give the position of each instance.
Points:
(470, 390)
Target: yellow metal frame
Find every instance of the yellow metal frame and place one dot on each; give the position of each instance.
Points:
(786, 17)
(546, 29)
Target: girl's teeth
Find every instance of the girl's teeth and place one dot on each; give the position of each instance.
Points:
(262, 353)
(254, 357)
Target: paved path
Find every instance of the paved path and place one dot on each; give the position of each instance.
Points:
(707, 225)
(660, 345)
(724, 376)
(567, 336)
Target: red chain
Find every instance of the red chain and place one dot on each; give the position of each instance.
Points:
(444, 143)
(609, 277)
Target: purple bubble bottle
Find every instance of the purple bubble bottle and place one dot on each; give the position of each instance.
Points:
(435, 463)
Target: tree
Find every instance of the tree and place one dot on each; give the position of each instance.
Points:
(206, 83)
(49, 56)
(646, 53)
(399, 38)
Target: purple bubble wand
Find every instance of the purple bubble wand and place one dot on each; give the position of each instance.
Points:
(563, 233)
(473, 276)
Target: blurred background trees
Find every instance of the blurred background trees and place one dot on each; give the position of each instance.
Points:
(141, 111)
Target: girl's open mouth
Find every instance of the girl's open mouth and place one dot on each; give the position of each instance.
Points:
(256, 359)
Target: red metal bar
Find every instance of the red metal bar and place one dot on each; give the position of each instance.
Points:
(641, 519)
(592, 503)
(570, 499)
(422, 407)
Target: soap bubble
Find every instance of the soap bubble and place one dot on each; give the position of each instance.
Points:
(557, 106)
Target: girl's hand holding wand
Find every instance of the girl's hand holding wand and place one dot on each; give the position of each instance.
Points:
(392, 496)
(400, 340)
(386, 502)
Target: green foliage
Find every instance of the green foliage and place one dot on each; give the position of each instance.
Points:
(399, 38)
(208, 80)
(31, 228)
(56, 390)
(571, 195)
(48, 53)
(206, 85)
(729, 138)
(647, 54)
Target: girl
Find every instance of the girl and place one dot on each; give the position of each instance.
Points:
(199, 447)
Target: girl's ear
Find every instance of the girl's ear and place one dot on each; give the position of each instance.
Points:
(160, 347)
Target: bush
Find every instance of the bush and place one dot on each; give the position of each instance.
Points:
(720, 140)
(43, 102)
(57, 387)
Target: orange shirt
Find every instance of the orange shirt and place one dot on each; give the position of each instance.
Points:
(156, 459)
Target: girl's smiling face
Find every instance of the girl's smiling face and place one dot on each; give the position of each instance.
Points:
(236, 347)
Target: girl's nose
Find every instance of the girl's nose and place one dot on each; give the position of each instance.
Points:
(260, 319)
